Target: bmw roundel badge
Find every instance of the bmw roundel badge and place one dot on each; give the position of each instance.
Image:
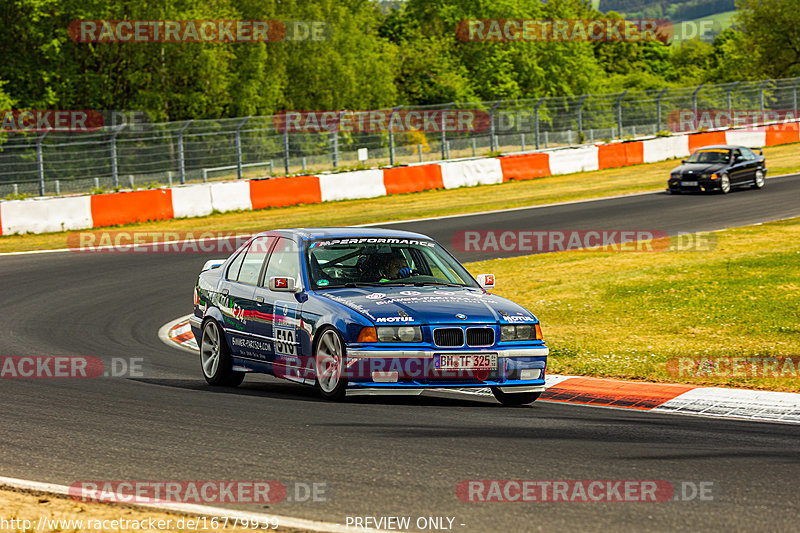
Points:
(461, 316)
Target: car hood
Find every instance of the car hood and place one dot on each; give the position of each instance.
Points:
(699, 168)
(429, 305)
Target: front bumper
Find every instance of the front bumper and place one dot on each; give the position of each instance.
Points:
(522, 369)
(701, 184)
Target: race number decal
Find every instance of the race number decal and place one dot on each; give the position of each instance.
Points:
(284, 341)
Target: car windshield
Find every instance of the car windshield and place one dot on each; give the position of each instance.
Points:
(710, 156)
(371, 261)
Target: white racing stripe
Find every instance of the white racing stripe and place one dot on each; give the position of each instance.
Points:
(285, 522)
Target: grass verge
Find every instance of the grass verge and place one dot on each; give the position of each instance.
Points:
(584, 185)
(625, 315)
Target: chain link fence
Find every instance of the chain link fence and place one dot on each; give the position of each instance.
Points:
(147, 155)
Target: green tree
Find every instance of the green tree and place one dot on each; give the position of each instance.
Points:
(729, 57)
(352, 68)
(6, 103)
(769, 38)
(48, 70)
(694, 61)
(428, 70)
(507, 69)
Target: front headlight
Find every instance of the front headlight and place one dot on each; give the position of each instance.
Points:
(399, 334)
(520, 332)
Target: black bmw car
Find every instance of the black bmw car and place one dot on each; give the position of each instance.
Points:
(719, 168)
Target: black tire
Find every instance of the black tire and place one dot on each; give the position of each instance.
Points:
(329, 358)
(215, 358)
(724, 184)
(513, 399)
(673, 191)
(760, 180)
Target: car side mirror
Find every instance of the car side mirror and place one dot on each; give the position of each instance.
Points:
(683, 161)
(213, 263)
(486, 280)
(282, 284)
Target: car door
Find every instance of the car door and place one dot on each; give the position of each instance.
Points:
(279, 309)
(739, 170)
(752, 163)
(236, 298)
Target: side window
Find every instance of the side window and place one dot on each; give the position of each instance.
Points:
(737, 154)
(254, 259)
(284, 261)
(748, 154)
(236, 266)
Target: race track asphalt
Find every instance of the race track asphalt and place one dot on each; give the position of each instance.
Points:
(378, 456)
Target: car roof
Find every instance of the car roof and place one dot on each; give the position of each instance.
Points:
(721, 147)
(309, 234)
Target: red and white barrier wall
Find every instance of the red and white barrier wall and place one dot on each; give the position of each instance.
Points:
(41, 215)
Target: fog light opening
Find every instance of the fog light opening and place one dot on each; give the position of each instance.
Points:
(530, 373)
(385, 377)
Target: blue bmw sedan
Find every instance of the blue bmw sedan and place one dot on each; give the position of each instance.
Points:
(362, 311)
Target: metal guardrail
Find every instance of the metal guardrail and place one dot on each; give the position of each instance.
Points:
(157, 154)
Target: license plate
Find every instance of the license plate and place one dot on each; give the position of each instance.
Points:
(689, 183)
(465, 361)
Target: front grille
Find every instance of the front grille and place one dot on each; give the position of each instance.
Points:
(448, 337)
(480, 336)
